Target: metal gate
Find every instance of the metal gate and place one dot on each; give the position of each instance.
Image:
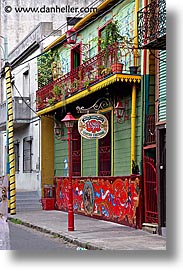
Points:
(150, 191)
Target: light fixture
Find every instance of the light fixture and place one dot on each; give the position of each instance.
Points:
(69, 123)
(120, 111)
(68, 120)
(71, 36)
(58, 130)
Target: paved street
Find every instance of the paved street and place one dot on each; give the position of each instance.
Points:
(24, 238)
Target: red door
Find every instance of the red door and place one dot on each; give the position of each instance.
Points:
(104, 151)
(76, 152)
(150, 191)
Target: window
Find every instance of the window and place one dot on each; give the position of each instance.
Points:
(26, 83)
(27, 154)
(104, 151)
(103, 35)
(16, 150)
(104, 41)
(75, 57)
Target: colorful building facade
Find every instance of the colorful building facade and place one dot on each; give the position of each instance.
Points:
(83, 75)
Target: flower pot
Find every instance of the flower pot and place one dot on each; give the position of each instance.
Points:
(133, 69)
(117, 68)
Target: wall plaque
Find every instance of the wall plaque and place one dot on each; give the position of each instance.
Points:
(93, 126)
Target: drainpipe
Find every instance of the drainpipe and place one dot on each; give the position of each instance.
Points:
(134, 90)
(133, 124)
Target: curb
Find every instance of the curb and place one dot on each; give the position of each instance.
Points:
(68, 239)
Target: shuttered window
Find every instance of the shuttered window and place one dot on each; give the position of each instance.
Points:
(27, 154)
(162, 86)
(17, 155)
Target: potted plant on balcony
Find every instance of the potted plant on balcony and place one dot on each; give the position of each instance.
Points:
(56, 90)
(51, 101)
(110, 44)
(59, 91)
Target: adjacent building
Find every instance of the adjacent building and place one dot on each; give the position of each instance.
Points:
(152, 40)
(22, 16)
(25, 120)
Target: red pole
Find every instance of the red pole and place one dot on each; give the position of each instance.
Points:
(70, 204)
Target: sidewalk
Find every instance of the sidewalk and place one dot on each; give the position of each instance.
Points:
(91, 233)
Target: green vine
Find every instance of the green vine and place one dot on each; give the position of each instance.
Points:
(44, 63)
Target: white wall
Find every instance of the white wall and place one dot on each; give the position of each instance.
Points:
(25, 180)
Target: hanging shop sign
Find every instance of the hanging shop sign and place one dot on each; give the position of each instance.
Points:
(93, 126)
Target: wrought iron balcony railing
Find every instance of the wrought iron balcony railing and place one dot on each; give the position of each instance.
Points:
(152, 26)
(87, 74)
(21, 112)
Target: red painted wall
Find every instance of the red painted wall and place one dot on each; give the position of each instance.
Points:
(112, 198)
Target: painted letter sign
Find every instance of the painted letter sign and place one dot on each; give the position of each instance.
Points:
(93, 126)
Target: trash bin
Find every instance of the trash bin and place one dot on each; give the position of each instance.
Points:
(48, 201)
(49, 191)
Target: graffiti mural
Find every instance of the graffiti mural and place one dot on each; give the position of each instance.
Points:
(114, 199)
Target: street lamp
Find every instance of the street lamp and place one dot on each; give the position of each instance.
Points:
(69, 123)
(71, 35)
(120, 111)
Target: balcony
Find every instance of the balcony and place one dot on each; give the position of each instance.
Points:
(150, 136)
(21, 112)
(103, 66)
(152, 26)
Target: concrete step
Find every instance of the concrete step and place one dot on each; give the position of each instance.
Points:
(27, 194)
(28, 201)
(150, 227)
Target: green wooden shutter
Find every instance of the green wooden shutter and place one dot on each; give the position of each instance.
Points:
(162, 86)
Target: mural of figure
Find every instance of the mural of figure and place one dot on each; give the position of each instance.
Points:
(59, 68)
(88, 197)
(56, 70)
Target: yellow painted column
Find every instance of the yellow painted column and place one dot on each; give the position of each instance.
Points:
(11, 154)
(47, 151)
(133, 124)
